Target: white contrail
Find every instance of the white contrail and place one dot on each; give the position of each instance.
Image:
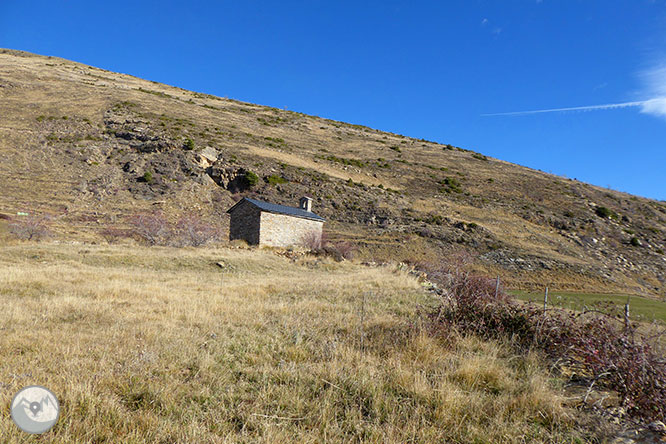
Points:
(641, 103)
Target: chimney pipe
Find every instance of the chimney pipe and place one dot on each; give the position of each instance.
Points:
(306, 204)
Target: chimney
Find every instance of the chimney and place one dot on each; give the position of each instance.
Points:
(306, 204)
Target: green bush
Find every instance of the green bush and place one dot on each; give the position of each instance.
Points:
(635, 242)
(450, 185)
(274, 179)
(148, 177)
(251, 179)
(189, 144)
(605, 213)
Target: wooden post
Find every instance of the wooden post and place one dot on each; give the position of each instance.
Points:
(545, 300)
(497, 287)
(362, 322)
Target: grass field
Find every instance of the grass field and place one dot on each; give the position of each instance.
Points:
(641, 309)
(161, 345)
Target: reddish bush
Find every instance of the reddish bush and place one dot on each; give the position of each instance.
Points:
(30, 227)
(192, 231)
(340, 250)
(319, 243)
(114, 234)
(152, 228)
(313, 240)
(597, 346)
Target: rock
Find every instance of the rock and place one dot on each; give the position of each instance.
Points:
(210, 154)
(658, 427)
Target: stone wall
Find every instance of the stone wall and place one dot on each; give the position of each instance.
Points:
(244, 223)
(280, 230)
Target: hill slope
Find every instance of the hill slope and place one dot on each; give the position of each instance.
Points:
(77, 141)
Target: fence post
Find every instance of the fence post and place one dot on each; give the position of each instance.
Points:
(362, 321)
(497, 287)
(545, 300)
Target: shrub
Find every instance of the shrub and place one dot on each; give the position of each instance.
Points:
(605, 213)
(435, 219)
(319, 243)
(114, 234)
(148, 177)
(345, 161)
(635, 242)
(153, 228)
(594, 346)
(340, 250)
(30, 227)
(274, 179)
(312, 240)
(251, 179)
(189, 144)
(192, 231)
(450, 184)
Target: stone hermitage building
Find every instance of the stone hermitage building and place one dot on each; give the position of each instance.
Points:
(264, 223)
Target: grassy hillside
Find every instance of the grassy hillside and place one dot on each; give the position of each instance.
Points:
(91, 148)
(162, 345)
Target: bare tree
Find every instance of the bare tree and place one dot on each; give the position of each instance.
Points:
(30, 227)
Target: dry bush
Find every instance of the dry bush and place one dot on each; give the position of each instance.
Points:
(319, 243)
(597, 346)
(313, 240)
(152, 228)
(115, 234)
(192, 231)
(31, 227)
(340, 250)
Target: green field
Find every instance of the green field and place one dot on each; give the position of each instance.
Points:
(641, 309)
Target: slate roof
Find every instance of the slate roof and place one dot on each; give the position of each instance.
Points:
(279, 209)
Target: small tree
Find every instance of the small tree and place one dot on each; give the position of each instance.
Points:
(30, 227)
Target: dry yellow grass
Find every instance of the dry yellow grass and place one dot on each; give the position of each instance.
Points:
(160, 345)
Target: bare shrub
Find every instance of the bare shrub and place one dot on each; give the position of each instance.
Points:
(153, 228)
(114, 234)
(597, 346)
(319, 243)
(340, 250)
(192, 231)
(30, 227)
(312, 240)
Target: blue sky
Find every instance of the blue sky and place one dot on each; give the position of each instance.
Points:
(427, 69)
